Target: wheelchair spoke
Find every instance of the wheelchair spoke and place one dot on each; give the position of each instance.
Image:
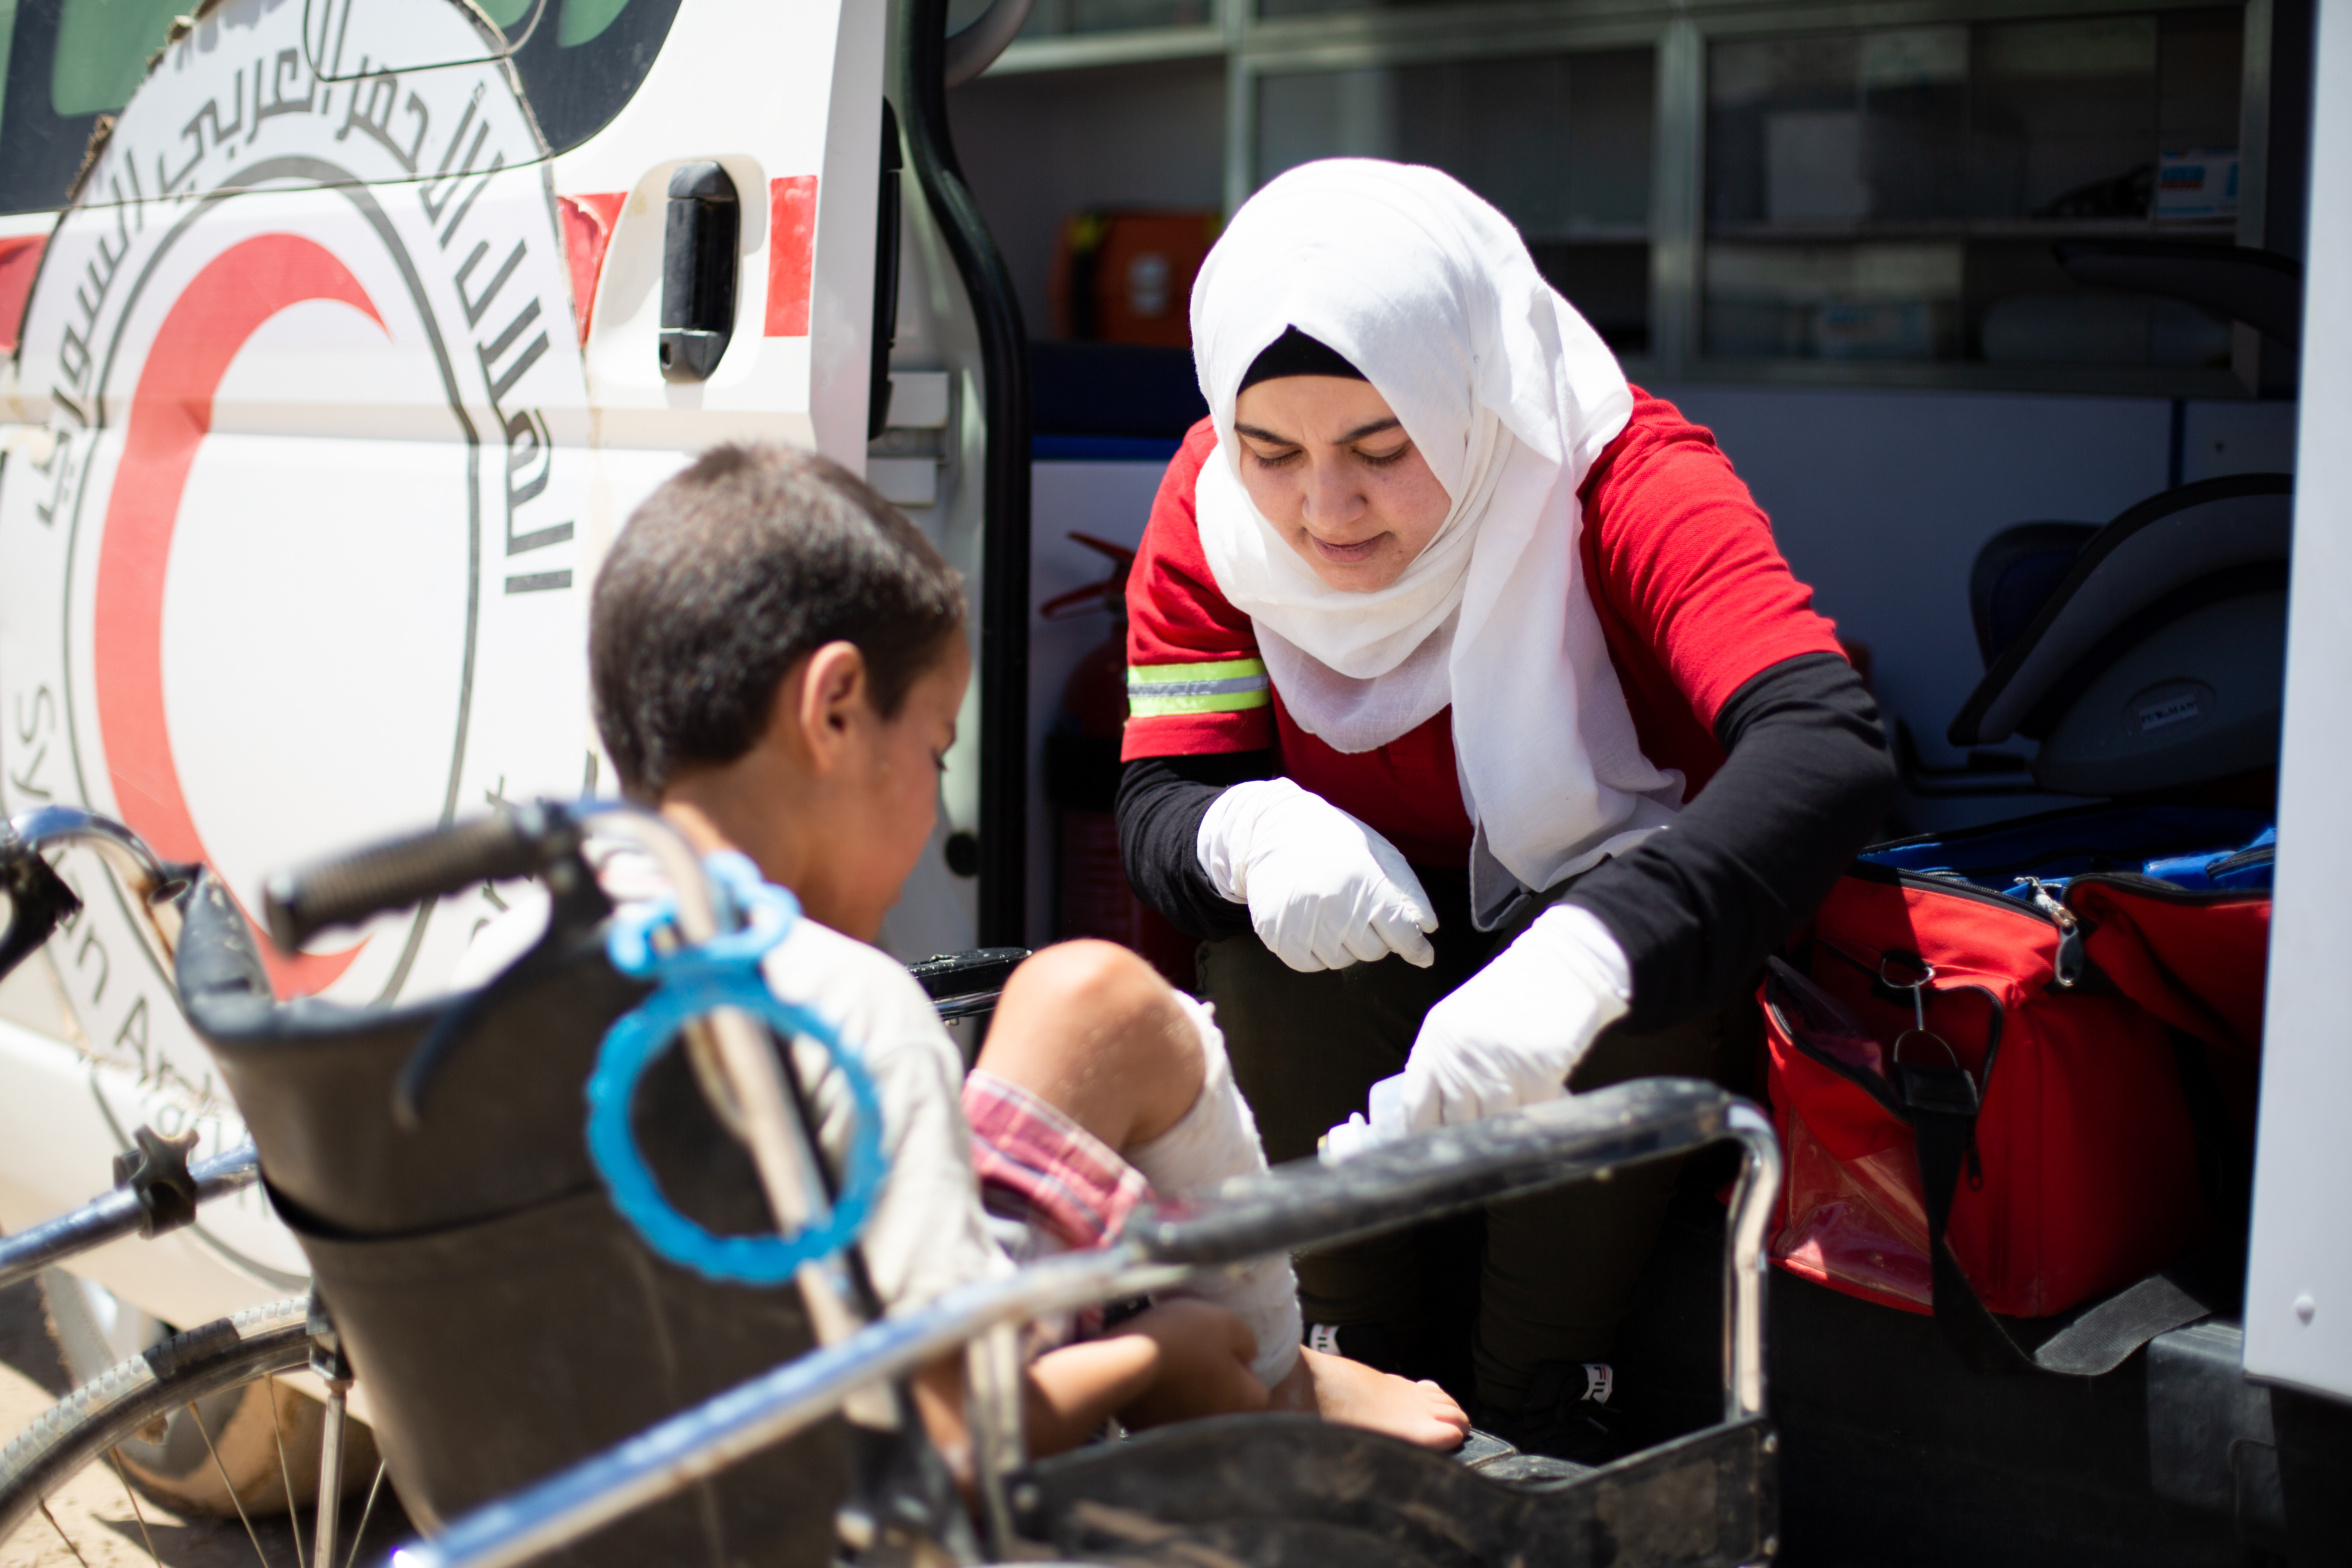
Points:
(366, 1510)
(285, 1474)
(62, 1535)
(137, 1513)
(235, 1501)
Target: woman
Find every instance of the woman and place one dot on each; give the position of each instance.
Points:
(1479, 730)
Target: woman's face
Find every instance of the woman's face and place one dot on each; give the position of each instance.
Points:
(1328, 465)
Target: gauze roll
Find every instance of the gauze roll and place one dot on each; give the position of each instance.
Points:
(1217, 1139)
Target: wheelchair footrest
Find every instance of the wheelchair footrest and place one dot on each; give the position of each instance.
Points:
(1278, 1491)
(1498, 1460)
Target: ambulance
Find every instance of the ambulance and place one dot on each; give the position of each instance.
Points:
(346, 334)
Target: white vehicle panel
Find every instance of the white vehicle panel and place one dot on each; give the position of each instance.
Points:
(63, 1116)
(2299, 1270)
(299, 528)
(334, 387)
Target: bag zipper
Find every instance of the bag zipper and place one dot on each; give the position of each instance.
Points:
(2156, 888)
(2050, 911)
(2069, 966)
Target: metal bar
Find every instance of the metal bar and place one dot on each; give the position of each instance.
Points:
(1241, 104)
(992, 1365)
(970, 1005)
(331, 1478)
(2254, 173)
(1346, 48)
(1446, 1169)
(667, 1458)
(1745, 1263)
(55, 826)
(1128, 46)
(755, 1099)
(1678, 187)
(114, 1216)
(143, 873)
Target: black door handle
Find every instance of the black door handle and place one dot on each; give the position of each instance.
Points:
(699, 245)
(885, 277)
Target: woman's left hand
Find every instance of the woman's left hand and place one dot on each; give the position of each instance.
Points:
(1513, 1031)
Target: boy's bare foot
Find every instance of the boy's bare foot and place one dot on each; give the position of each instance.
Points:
(1350, 1393)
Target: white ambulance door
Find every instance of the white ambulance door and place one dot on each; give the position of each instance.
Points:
(296, 556)
(2298, 1309)
(788, 102)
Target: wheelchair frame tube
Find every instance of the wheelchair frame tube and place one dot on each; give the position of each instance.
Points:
(114, 1216)
(1431, 1173)
(1746, 1262)
(668, 1458)
(152, 884)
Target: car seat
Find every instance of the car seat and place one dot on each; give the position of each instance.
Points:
(2014, 575)
(2157, 659)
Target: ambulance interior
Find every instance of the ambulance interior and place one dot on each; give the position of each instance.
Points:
(1953, 291)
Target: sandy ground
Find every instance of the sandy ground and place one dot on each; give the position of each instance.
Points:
(95, 1510)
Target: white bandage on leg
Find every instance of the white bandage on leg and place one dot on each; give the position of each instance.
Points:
(1217, 1138)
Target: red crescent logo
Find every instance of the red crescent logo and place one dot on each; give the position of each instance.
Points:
(171, 412)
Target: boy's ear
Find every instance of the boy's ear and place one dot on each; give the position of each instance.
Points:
(831, 691)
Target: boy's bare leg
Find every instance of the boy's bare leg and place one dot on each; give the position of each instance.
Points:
(1094, 1031)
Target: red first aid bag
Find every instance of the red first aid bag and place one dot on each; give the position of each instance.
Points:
(2013, 1072)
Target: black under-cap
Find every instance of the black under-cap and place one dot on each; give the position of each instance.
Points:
(1295, 354)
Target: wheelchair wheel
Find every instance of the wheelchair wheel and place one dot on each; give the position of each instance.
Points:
(202, 1401)
(265, 1435)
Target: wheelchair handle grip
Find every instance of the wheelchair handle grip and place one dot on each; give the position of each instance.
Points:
(348, 889)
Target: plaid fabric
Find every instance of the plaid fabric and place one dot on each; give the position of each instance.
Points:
(1036, 1164)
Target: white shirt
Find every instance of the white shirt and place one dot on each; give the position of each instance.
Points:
(928, 1234)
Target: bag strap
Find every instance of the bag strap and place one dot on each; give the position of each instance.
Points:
(2224, 1171)
(1941, 1105)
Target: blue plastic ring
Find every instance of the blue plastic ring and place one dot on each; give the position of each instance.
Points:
(633, 1044)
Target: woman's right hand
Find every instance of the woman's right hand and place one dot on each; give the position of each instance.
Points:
(1324, 890)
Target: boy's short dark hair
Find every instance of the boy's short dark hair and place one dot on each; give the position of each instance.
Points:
(749, 561)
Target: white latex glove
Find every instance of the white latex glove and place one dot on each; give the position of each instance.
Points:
(1324, 890)
(1516, 1029)
(1360, 1132)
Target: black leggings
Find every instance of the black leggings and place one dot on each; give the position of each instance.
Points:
(1560, 1267)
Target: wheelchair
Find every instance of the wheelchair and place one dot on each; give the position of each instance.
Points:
(546, 1383)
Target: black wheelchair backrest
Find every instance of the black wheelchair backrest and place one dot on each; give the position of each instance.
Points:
(503, 1318)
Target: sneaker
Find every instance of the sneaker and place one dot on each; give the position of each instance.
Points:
(1370, 1345)
(1571, 1412)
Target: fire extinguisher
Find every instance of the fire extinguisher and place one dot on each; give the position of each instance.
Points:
(1091, 895)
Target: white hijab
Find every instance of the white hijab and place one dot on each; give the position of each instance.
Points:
(1510, 396)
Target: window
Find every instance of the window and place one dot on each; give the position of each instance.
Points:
(579, 72)
(579, 60)
(63, 63)
(1560, 143)
(102, 49)
(1893, 195)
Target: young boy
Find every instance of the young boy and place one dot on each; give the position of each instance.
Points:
(778, 660)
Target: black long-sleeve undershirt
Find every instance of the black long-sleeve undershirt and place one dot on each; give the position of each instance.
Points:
(1804, 784)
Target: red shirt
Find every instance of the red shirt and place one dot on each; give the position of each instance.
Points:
(1692, 594)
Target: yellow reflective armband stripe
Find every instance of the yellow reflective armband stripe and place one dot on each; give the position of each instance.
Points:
(1222, 686)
